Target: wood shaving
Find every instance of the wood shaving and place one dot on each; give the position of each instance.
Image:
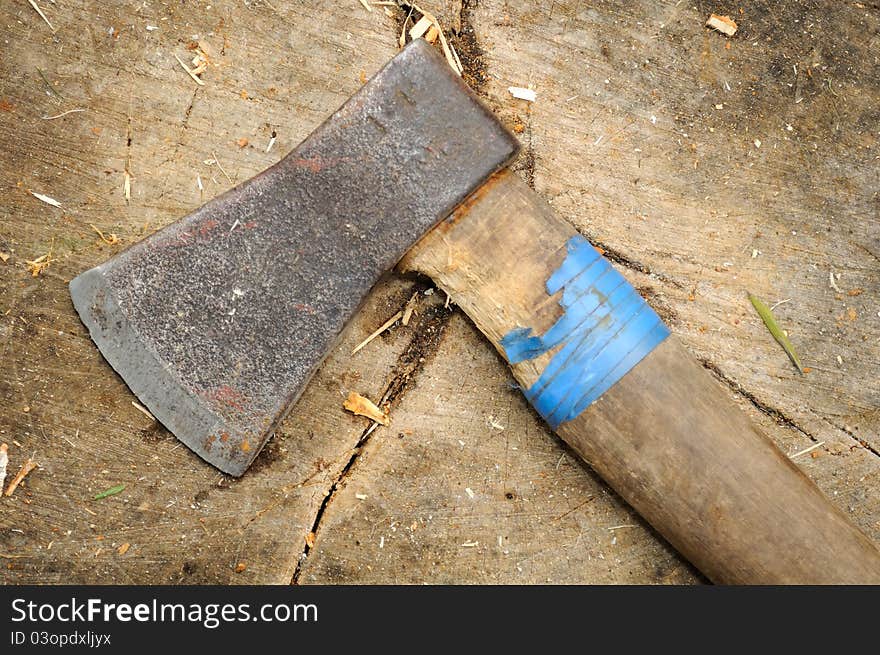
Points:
(42, 15)
(832, 282)
(366, 5)
(402, 40)
(422, 27)
(46, 199)
(40, 264)
(357, 404)
(143, 410)
(409, 308)
(26, 468)
(455, 55)
(387, 324)
(807, 450)
(723, 24)
(4, 461)
(189, 71)
(110, 240)
(217, 161)
(522, 93)
(63, 113)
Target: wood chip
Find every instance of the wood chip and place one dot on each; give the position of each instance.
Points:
(123, 549)
(422, 25)
(522, 93)
(46, 199)
(431, 36)
(310, 540)
(4, 460)
(26, 468)
(240, 567)
(723, 24)
(357, 404)
(4, 257)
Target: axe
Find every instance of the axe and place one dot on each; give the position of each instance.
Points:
(218, 321)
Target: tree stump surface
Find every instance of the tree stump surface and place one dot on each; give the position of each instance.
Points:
(705, 166)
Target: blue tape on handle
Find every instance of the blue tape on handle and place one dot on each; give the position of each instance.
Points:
(607, 328)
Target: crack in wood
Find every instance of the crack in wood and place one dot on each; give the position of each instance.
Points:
(619, 258)
(777, 415)
(861, 442)
(426, 340)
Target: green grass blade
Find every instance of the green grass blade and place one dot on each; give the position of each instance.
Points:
(112, 491)
(770, 321)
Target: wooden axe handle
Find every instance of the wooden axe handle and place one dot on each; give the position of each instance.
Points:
(665, 436)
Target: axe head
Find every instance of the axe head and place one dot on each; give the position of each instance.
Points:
(218, 321)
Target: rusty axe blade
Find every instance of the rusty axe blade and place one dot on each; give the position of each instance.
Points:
(218, 321)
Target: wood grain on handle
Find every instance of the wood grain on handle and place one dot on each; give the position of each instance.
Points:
(666, 436)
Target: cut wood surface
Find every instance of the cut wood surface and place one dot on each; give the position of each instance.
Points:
(705, 166)
(665, 436)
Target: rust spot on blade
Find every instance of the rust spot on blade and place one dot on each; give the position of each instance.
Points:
(316, 164)
(462, 210)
